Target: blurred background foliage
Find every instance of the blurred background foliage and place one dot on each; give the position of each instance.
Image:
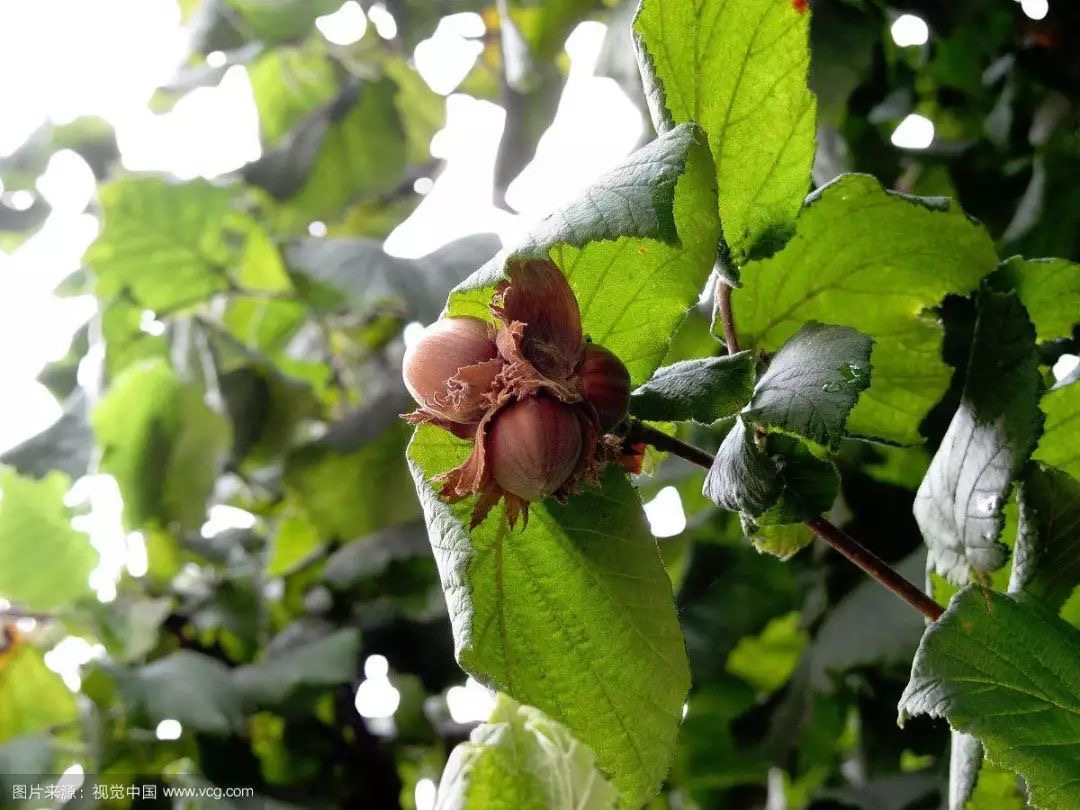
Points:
(213, 567)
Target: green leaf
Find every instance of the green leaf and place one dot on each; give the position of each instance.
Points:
(44, 563)
(959, 503)
(521, 759)
(637, 248)
(1050, 291)
(296, 540)
(1007, 671)
(280, 20)
(864, 629)
(192, 688)
(422, 110)
(812, 383)
(774, 480)
(696, 390)
(767, 660)
(289, 84)
(162, 444)
(165, 242)
(353, 493)
(328, 661)
(739, 70)
(129, 627)
(32, 696)
(1047, 555)
(351, 149)
(873, 260)
(1060, 443)
(572, 614)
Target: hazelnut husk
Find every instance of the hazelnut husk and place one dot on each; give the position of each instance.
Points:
(538, 402)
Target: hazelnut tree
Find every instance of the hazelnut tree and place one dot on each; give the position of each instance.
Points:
(848, 364)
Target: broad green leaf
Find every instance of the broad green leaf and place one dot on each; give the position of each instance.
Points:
(738, 68)
(27, 755)
(772, 479)
(1007, 671)
(288, 84)
(874, 260)
(296, 540)
(65, 446)
(371, 556)
(812, 383)
(328, 661)
(767, 660)
(781, 540)
(32, 696)
(1060, 443)
(636, 247)
(281, 20)
(422, 110)
(1050, 291)
(521, 759)
(349, 150)
(865, 629)
(696, 390)
(163, 241)
(44, 563)
(553, 612)
(162, 444)
(1046, 562)
(348, 494)
(266, 319)
(959, 503)
(195, 689)
(129, 627)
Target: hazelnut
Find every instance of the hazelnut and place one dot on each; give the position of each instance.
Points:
(450, 368)
(533, 446)
(605, 384)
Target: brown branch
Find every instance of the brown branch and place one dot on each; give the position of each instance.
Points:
(842, 542)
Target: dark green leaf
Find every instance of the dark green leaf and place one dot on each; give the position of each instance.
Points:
(865, 628)
(163, 241)
(44, 562)
(698, 390)
(194, 689)
(959, 503)
(812, 383)
(738, 69)
(162, 444)
(328, 661)
(1007, 671)
(521, 759)
(365, 277)
(1047, 555)
(370, 556)
(65, 445)
(129, 627)
(873, 260)
(1050, 291)
(553, 612)
(636, 247)
(773, 480)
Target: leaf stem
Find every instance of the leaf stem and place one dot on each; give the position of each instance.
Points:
(840, 540)
(727, 320)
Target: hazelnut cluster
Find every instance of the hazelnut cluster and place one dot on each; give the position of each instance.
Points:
(537, 399)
